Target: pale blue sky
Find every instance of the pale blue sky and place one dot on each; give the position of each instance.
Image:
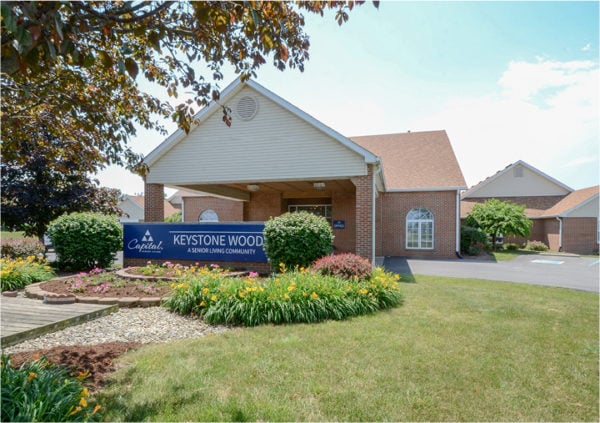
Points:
(508, 81)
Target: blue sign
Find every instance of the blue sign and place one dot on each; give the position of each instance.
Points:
(195, 241)
(339, 224)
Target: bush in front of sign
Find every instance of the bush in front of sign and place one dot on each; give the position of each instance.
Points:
(83, 241)
(297, 239)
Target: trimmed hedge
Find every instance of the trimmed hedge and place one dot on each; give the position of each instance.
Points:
(297, 239)
(83, 241)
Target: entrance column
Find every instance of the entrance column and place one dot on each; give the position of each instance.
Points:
(154, 202)
(364, 214)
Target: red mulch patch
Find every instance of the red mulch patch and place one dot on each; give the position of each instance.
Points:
(97, 359)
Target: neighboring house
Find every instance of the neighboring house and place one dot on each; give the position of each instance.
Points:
(563, 219)
(132, 207)
(394, 194)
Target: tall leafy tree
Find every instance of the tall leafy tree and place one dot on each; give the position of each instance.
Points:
(74, 67)
(496, 217)
(48, 184)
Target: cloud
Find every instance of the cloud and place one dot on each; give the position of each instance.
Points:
(587, 47)
(543, 112)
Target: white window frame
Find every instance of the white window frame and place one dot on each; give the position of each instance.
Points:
(208, 212)
(293, 208)
(420, 223)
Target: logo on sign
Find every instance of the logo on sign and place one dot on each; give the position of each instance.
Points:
(147, 244)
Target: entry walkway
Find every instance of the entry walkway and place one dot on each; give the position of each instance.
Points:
(23, 318)
(579, 273)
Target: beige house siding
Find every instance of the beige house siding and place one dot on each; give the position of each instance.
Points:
(517, 182)
(590, 209)
(274, 145)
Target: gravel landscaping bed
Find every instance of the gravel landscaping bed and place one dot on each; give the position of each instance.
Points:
(141, 325)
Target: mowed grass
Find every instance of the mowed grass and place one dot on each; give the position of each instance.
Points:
(458, 349)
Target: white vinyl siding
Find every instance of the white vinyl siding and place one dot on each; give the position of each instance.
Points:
(274, 145)
(419, 229)
(527, 184)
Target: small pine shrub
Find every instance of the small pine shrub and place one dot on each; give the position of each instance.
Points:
(297, 239)
(21, 248)
(83, 241)
(41, 391)
(174, 218)
(536, 246)
(347, 266)
(473, 241)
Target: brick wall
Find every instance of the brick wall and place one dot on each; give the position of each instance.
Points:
(343, 208)
(580, 235)
(364, 214)
(262, 206)
(531, 202)
(551, 235)
(392, 209)
(227, 210)
(154, 206)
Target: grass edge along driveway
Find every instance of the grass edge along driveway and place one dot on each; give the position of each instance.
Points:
(458, 349)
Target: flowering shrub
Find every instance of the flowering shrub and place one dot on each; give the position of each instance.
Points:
(17, 273)
(41, 391)
(21, 248)
(166, 269)
(298, 296)
(536, 246)
(348, 266)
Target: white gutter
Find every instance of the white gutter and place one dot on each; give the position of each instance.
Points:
(374, 196)
(458, 222)
(560, 224)
(182, 209)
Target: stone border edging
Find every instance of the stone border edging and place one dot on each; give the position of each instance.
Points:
(36, 292)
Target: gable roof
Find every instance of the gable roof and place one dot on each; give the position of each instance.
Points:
(233, 89)
(489, 180)
(416, 161)
(138, 200)
(573, 201)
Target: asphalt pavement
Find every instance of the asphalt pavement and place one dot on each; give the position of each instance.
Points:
(580, 273)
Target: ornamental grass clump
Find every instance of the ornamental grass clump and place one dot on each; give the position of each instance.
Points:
(18, 273)
(40, 391)
(299, 296)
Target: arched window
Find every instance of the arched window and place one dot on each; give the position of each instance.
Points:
(208, 216)
(419, 229)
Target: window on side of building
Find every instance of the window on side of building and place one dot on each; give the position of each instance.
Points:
(323, 210)
(208, 216)
(419, 229)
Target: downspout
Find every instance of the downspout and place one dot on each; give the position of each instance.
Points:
(560, 223)
(457, 235)
(182, 209)
(373, 208)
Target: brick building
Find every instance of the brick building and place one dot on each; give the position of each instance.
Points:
(563, 219)
(395, 194)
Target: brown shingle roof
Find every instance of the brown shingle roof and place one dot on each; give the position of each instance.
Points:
(169, 209)
(415, 160)
(571, 201)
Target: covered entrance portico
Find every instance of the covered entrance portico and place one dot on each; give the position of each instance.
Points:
(274, 158)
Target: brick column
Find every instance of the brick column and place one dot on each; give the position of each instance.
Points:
(154, 206)
(364, 214)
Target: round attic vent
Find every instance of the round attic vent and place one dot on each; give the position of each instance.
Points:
(247, 108)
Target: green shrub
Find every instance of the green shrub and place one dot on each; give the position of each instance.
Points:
(511, 247)
(536, 246)
(473, 240)
(17, 273)
(292, 297)
(83, 241)
(21, 247)
(40, 391)
(297, 239)
(347, 266)
(174, 218)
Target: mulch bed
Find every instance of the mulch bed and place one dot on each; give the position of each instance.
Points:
(130, 288)
(97, 359)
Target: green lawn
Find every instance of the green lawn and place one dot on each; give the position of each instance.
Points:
(456, 350)
(11, 235)
(506, 255)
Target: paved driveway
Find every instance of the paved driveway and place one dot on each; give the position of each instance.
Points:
(562, 271)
